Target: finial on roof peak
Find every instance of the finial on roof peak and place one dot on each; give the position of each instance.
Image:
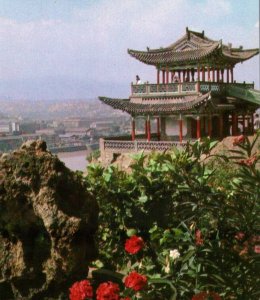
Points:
(188, 33)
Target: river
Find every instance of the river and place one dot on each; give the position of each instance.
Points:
(76, 161)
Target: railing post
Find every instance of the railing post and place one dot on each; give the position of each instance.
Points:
(102, 148)
(197, 86)
(133, 129)
(147, 88)
(136, 145)
(148, 129)
(158, 129)
(180, 128)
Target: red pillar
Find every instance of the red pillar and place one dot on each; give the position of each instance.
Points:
(158, 129)
(183, 76)
(198, 70)
(167, 76)
(252, 122)
(158, 76)
(227, 75)
(217, 75)
(234, 124)
(163, 73)
(198, 128)
(172, 75)
(179, 75)
(180, 129)
(221, 127)
(209, 126)
(243, 123)
(213, 74)
(204, 124)
(133, 129)
(222, 75)
(209, 79)
(188, 75)
(203, 73)
(145, 128)
(148, 129)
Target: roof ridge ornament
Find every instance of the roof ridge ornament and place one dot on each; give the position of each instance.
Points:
(188, 33)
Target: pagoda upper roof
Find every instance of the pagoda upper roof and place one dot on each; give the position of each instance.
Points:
(133, 108)
(193, 47)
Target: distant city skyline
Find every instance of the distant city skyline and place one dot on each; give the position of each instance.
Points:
(56, 49)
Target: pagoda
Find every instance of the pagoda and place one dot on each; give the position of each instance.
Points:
(195, 95)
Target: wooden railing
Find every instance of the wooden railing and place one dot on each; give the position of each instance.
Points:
(184, 87)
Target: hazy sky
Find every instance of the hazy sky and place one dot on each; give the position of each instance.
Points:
(78, 48)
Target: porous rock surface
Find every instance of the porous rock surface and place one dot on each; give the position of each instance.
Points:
(47, 225)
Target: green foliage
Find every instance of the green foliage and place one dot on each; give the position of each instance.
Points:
(170, 198)
(94, 155)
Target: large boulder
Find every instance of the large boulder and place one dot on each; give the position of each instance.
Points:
(47, 225)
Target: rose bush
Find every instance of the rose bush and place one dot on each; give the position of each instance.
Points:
(202, 206)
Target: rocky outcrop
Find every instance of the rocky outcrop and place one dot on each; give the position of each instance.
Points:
(47, 225)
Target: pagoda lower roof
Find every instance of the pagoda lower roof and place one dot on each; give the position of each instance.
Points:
(187, 104)
(193, 47)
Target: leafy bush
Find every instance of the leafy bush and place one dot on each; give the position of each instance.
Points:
(198, 225)
(94, 155)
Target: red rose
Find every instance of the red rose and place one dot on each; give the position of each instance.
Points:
(206, 296)
(108, 291)
(238, 140)
(135, 281)
(198, 238)
(81, 290)
(134, 244)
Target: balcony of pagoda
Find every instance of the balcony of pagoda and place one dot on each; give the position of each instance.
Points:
(184, 88)
(112, 145)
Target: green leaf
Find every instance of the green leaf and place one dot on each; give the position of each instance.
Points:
(130, 232)
(143, 199)
(165, 281)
